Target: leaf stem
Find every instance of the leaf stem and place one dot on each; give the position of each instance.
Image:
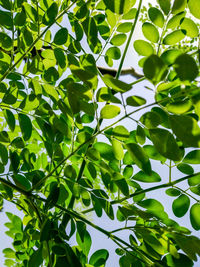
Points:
(129, 40)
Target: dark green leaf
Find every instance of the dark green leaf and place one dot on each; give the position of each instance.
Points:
(25, 125)
(61, 36)
(116, 84)
(99, 258)
(185, 168)
(145, 178)
(165, 143)
(186, 129)
(186, 67)
(165, 5)
(139, 157)
(172, 192)
(154, 69)
(5, 41)
(181, 205)
(156, 16)
(193, 157)
(50, 14)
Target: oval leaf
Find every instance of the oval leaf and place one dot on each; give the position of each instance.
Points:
(181, 205)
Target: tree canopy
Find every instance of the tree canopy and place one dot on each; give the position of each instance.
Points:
(61, 165)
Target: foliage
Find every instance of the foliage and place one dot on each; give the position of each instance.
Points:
(54, 100)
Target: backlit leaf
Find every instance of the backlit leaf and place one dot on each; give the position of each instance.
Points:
(186, 129)
(156, 16)
(109, 111)
(195, 216)
(119, 6)
(186, 67)
(194, 6)
(181, 205)
(143, 48)
(150, 32)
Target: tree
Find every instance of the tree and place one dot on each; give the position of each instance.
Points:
(53, 165)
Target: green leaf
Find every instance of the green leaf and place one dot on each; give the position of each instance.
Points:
(5, 41)
(139, 156)
(118, 39)
(70, 172)
(179, 107)
(119, 6)
(121, 183)
(60, 57)
(25, 125)
(170, 55)
(193, 157)
(186, 129)
(179, 6)
(116, 84)
(156, 16)
(31, 12)
(51, 91)
(183, 260)
(105, 150)
(185, 168)
(195, 216)
(4, 137)
(190, 27)
(22, 182)
(135, 101)
(145, 178)
(150, 32)
(175, 21)
(6, 20)
(174, 37)
(125, 27)
(50, 14)
(5, 4)
(194, 6)
(99, 258)
(165, 5)
(186, 67)
(109, 111)
(3, 154)
(10, 119)
(143, 48)
(51, 75)
(117, 149)
(165, 143)
(153, 153)
(61, 36)
(36, 259)
(155, 69)
(140, 135)
(172, 192)
(113, 52)
(181, 205)
(120, 132)
(150, 119)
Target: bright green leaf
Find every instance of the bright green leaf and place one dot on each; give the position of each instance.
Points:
(181, 205)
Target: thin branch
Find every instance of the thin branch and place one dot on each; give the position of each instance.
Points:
(147, 190)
